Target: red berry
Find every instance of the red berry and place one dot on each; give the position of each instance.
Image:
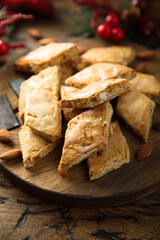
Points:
(117, 35)
(112, 19)
(3, 47)
(142, 4)
(104, 30)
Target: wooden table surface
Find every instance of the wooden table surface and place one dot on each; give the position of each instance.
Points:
(25, 217)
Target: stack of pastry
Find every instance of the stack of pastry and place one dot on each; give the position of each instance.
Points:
(84, 97)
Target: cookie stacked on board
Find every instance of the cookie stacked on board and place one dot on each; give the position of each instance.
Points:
(82, 87)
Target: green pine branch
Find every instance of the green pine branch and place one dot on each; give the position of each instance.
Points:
(81, 24)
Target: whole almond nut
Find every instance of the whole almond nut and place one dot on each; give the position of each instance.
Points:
(5, 136)
(141, 67)
(156, 126)
(35, 33)
(146, 55)
(144, 151)
(11, 154)
(45, 41)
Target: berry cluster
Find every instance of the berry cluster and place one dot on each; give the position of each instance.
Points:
(110, 30)
(137, 22)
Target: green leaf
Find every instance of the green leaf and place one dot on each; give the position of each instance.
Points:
(81, 23)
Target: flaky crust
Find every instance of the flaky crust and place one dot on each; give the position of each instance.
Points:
(49, 79)
(86, 133)
(112, 157)
(33, 146)
(115, 54)
(45, 56)
(147, 84)
(98, 72)
(136, 110)
(94, 94)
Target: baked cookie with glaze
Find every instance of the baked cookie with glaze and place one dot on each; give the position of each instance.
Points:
(137, 110)
(115, 54)
(112, 157)
(49, 78)
(86, 133)
(43, 113)
(33, 146)
(99, 72)
(147, 84)
(45, 56)
(95, 93)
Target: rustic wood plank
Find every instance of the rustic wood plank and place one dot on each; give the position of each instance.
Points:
(23, 216)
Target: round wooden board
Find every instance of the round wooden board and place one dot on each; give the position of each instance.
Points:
(130, 182)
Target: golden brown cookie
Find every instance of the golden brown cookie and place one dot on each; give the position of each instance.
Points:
(112, 157)
(49, 78)
(136, 110)
(115, 54)
(33, 146)
(45, 56)
(95, 93)
(147, 84)
(99, 72)
(86, 133)
(43, 113)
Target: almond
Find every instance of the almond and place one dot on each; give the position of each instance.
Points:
(144, 151)
(45, 41)
(146, 55)
(156, 126)
(5, 136)
(141, 67)
(11, 154)
(35, 33)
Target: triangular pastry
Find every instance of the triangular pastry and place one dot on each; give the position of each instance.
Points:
(147, 84)
(98, 72)
(95, 93)
(136, 110)
(33, 146)
(49, 78)
(86, 133)
(114, 54)
(45, 56)
(112, 157)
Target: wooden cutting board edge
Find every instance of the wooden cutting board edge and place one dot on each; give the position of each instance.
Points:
(71, 200)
